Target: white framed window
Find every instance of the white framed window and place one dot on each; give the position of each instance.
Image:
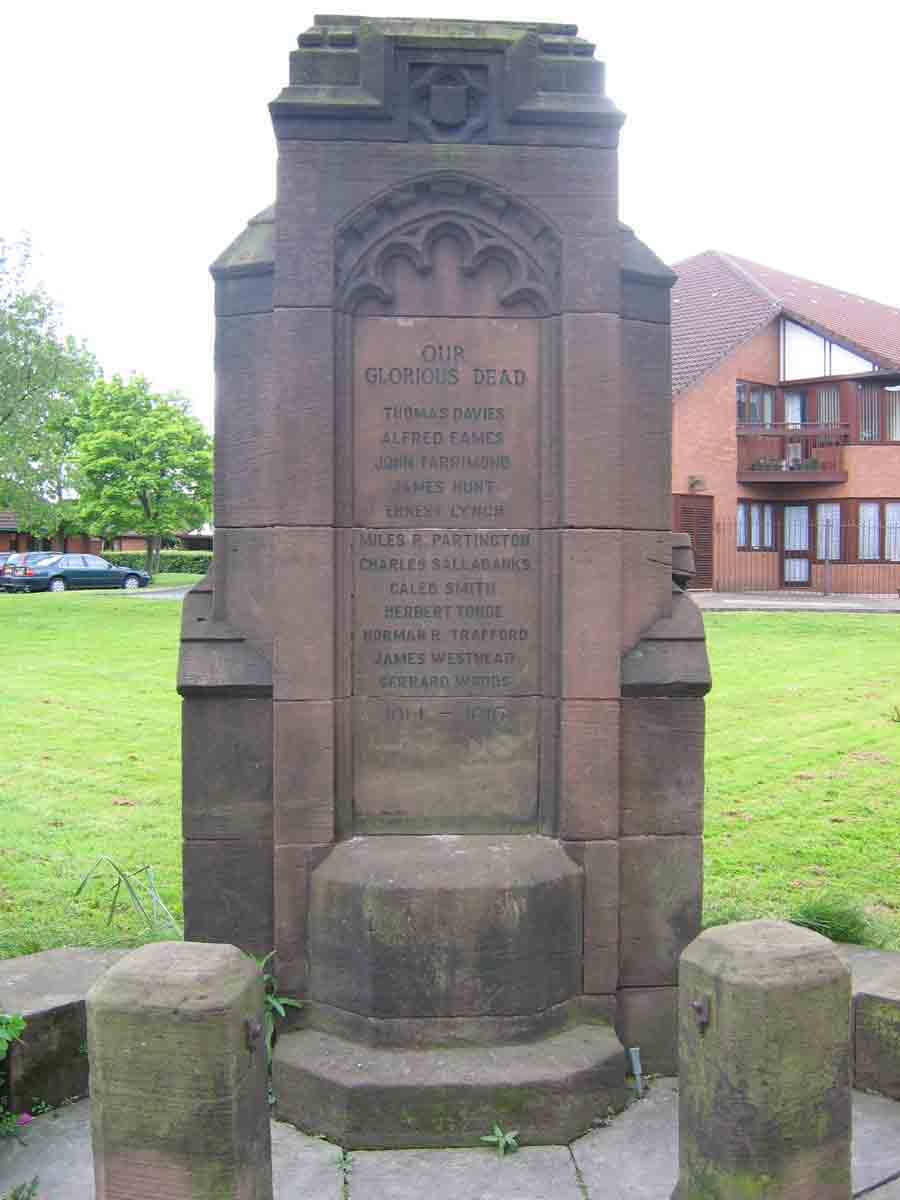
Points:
(828, 532)
(869, 530)
(755, 526)
(796, 527)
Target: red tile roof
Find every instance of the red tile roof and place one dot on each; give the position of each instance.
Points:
(721, 301)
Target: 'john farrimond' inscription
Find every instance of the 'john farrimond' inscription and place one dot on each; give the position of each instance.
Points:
(445, 414)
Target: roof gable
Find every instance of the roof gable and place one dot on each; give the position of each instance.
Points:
(721, 301)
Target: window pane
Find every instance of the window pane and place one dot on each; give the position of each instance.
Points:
(755, 517)
(828, 531)
(796, 570)
(893, 416)
(768, 526)
(892, 532)
(828, 406)
(794, 404)
(742, 416)
(796, 527)
(869, 413)
(868, 530)
(804, 353)
(742, 525)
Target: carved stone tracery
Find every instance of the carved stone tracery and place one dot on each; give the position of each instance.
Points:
(488, 225)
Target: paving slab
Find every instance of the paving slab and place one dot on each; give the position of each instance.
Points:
(57, 1148)
(534, 1173)
(635, 1157)
(876, 1140)
(888, 1191)
(792, 602)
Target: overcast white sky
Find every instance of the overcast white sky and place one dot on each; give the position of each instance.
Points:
(136, 143)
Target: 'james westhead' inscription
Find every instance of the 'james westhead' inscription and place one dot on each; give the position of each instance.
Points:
(446, 568)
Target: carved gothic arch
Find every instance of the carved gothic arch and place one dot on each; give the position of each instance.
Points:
(489, 226)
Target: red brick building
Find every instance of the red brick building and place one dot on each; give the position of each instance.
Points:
(15, 539)
(786, 429)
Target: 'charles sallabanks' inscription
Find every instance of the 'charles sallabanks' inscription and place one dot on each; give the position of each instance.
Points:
(445, 611)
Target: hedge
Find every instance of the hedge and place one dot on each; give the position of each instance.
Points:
(191, 562)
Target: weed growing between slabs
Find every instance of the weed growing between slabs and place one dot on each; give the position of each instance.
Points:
(802, 782)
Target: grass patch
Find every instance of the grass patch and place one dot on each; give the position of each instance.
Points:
(802, 779)
(91, 723)
(803, 787)
(168, 579)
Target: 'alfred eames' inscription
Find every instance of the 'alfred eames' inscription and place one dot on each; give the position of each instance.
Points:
(445, 414)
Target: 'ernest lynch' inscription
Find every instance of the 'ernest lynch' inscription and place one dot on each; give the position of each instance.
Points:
(445, 421)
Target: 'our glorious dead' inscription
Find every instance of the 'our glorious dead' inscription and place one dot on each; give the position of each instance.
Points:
(446, 572)
(445, 422)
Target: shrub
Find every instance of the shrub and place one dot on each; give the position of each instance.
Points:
(192, 562)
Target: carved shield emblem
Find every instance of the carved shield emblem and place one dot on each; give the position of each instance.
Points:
(448, 103)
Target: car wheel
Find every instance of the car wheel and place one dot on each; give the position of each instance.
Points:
(57, 585)
(131, 583)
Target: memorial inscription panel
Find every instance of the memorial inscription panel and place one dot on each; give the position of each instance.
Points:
(446, 572)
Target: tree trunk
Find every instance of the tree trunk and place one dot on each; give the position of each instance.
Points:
(154, 546)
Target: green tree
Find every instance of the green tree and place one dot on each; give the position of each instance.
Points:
(144, 464)
(41, 377)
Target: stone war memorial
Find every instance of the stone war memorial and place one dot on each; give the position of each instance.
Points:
(443, 688)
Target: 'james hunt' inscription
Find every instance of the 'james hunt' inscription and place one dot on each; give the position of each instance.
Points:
(445, 422)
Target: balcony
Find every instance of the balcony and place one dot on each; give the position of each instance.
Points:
(799, 453)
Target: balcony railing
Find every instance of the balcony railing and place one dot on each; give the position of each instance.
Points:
(786, 452)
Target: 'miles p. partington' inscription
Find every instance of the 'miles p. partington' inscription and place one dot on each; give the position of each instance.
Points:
(446, 441)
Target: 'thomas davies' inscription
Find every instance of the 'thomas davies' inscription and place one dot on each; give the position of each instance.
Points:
(445, 422)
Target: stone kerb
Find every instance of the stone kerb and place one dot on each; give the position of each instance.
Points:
(178, 1076)
(764, 1093)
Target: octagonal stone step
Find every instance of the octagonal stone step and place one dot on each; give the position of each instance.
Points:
(365, 1097)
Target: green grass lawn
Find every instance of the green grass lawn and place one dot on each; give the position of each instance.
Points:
(803, 787)
(802, 778)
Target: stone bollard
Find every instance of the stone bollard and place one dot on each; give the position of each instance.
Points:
(178, 1076)
(763, 1045)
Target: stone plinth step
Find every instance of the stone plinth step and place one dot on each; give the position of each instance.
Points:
(370, 1098)
(876, 1019)
(49, 1063)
